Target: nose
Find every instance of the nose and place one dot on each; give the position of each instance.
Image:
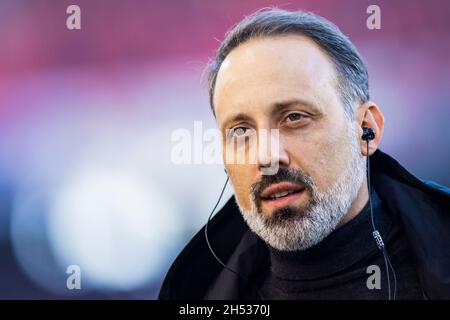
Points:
(271, 152)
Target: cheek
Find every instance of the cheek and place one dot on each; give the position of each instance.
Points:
(242, 180)
(330, 161)
(323, 158)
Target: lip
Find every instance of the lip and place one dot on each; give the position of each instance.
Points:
(283, 201)
(279, 187)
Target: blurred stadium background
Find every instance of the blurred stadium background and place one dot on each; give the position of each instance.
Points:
(86, 119)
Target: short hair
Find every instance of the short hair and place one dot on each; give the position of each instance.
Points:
(352, 78)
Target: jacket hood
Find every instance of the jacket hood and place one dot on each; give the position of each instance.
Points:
(423, 206)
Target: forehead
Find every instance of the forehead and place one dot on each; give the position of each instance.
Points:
(262, 71)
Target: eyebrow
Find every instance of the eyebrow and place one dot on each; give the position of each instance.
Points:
(276, 108)
(236, 118)
(281, 106)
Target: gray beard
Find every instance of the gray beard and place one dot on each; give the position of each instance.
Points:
(300, 231)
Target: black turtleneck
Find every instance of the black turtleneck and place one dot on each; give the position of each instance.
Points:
(336, 268)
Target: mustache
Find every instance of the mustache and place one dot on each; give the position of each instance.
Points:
(295, 176)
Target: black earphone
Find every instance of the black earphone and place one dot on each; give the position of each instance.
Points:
(368, 135)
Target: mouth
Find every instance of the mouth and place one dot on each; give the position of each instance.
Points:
(281, 194)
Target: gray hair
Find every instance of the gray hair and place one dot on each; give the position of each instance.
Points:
(352, 77)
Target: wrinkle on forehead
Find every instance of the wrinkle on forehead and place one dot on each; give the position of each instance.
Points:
(264, 68)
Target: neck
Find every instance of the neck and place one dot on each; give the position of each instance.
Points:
(358, 204)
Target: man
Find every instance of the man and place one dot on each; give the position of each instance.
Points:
(306, 231)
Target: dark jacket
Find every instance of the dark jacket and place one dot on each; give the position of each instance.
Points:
(424, 209)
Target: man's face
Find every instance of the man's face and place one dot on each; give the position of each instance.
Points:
(288, 83)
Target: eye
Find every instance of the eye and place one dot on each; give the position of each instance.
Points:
(238, 132)
(295, 116)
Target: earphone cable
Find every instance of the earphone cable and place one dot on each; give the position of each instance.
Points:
(215, 255)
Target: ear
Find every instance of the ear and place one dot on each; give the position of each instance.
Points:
(369, 115)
